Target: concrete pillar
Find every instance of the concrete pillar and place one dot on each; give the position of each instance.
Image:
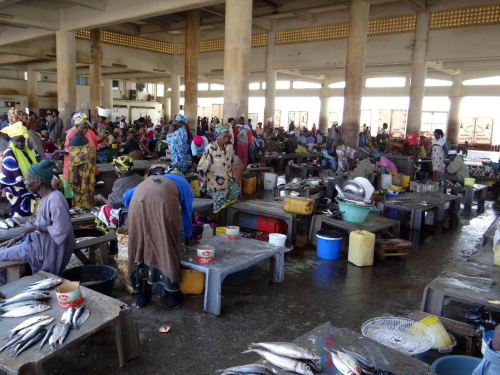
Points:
(323, 110)
(33, 77)
(95, 72)
(66, 75)
(237, 44)
(167, 102)
(107, 97)
(175, 82)
(418, 73)
(191, 68)
(271, 74)
(454, 114)
(354, 72)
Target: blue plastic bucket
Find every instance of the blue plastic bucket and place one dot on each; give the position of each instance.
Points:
(455, 365)
(392, 213)
(328, 244)
(391, 196)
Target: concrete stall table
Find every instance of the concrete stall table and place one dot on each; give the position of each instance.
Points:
(417, 209)
(202, 205)
(301, 158)
(478, 192)
(304, 169)
(84, 219)
(474, 282)
(263, 208)
(104, 311)
(280, 158)
(440, 200)
(382, 357)
(306, 193)
(230, 257)
(374, 223)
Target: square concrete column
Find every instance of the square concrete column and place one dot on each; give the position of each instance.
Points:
(237, 45)
(191, 68)
(95, 73)
(107, 97)
(354, 71)
(33, 77)
(454, 114)
(271, 75)
(66, 75)
(418, 73)
(175, 83)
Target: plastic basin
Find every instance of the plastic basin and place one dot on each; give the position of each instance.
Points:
(455, 365)
(328, 244)
(99, 278)
(353, 213)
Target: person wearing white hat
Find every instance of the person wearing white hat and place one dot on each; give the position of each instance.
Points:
(102, 115)
(457, 171)
(333, 134)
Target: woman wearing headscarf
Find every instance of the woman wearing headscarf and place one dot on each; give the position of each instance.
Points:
(384, 165)
(46, 244)
(107, 214)
(143, 136)
(77, 119)
(439, 151)
(81, 166)
(159, 207)
(16, 160)
(215, 171)
(177, 140)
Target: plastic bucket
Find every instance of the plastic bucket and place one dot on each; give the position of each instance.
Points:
(469, 181)
(99, 278)
(488, 336)
(405, 181)
(205, 254)
(391, 196)
(353, 213)
(392, 213)
(220, 230)
(455, 365)
(328, 244)
(385, 181)
(277, 239)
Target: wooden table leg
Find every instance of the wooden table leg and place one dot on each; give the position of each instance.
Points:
(127, 337)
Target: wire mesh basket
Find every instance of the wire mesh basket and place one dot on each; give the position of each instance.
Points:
(404, 335)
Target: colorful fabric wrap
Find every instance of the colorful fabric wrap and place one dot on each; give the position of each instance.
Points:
(220, 128)
(16, 129)
(377, 154)
(79, 118)
(21, 159)
(16, 115)
(123, 164)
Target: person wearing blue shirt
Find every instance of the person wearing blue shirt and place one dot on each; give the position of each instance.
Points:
(302, 139)
(490, 365)
(198, 146)
(158, 208)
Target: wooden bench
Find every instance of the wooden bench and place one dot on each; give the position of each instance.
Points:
(16, 268)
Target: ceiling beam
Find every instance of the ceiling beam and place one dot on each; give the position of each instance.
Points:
(4, 3)
(305, 15)
(217, 10)
(33, 16)
(439, 66)
(419, 5)
(92, 4)
(14, 59)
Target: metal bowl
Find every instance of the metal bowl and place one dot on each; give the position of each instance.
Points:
(354, 187)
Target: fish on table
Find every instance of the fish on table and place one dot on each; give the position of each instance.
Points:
(46, 283)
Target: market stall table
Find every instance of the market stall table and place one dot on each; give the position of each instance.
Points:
(263, 208)
(202, 205)
(477, 192)
(374, 223)
(440, 200)
(104, 311)
(382, 357)
(280, 158)
(304, 170)
(232, 256)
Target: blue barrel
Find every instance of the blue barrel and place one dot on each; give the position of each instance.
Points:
(455, 365)
(328, 244)
(392, 213)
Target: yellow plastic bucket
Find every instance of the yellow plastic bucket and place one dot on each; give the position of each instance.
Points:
(249, 185)
(405, 181)
(298, 205)
(193, 282)
(220, 230)
(469, 181)
(443, 339)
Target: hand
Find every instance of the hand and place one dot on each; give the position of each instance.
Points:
(10, 242)
(98, 198)
(27, 228)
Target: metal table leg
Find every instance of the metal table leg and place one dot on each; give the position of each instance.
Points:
(213, 286)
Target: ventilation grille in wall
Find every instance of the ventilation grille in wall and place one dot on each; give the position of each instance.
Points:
(447, 19)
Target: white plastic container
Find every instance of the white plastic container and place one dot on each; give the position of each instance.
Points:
(385, 181)
(270, 181)
(277, 239)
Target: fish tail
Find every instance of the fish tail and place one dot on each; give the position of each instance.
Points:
(248, 351)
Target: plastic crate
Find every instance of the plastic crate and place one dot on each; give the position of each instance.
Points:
(247, 222)
(267, 226)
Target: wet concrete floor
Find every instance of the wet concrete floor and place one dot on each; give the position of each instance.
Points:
(314, 291)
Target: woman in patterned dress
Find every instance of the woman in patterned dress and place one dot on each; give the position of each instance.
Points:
(177, 140)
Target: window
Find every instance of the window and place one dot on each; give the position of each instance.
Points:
(337, 85)
(81, 80)
(483, 81)
(116, 85)
(386, 82)
(202, 86)
(306, 85)
(254, 86)
(160, 90)
(25, 75)
(216, 86)
(141, 86)
(182, 88)
(283, 85)
(429, 82)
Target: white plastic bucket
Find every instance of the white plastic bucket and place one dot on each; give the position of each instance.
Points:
(270, 181)
(277, 239)
(385, 181)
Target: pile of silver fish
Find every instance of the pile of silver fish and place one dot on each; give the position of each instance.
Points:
(10, 222)
(46, 283)
(24, 304)
(349, 363)
(28, 333)
(73, 318)
(251, 369)
(288, 356)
